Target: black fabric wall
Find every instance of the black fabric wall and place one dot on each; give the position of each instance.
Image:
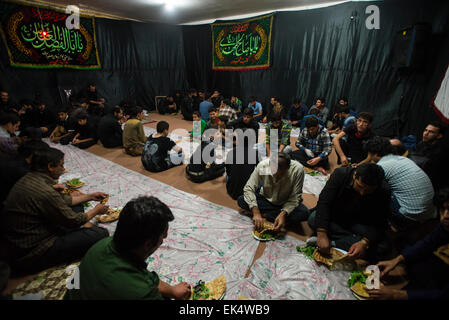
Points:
(323, 52)
(139, 61)
(320, 52)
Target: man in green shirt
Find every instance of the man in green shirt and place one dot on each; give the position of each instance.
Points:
(133, 135)
(115, 267)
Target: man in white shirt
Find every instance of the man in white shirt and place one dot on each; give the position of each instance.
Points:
(280, 197)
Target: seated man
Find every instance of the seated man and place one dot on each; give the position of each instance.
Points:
(280, 197)
(213, 119)
(412, 192)
(426, 262)
(246, 122)
(110, 130)
(256, 107)
(429, 153)
(342, 120)
(323, 112)
(352, 212)
(237, 105)
(314, 144)
(204, 108)
(352, 149)
(268, 111)
(85, 132)
(40, 227)
(14, 168)
(283, 128)
(240, 163)
(9, 142)
(168, 105)
(203, 167)
(226, 110)
(188, 105)
(297, 112)
(45, 119)
(65, 127)
(6, 103)
(156, 156)
(133, 135)
(199, 125)
(115, 268)
(96, 104)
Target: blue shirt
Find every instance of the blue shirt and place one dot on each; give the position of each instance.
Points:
(410, 186)
(204, 109)
(257, 108)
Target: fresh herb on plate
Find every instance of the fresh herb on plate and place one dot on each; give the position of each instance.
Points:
(307, 251)
(357, 276)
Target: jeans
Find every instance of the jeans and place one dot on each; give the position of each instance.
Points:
(271, 211)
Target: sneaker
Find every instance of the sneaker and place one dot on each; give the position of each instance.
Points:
(312, 241)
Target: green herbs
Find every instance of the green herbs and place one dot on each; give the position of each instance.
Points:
(267, 236)
(86, 204)
(74, 182)
(314, 173)
(307, 251)
(200, 291)
(357, 276)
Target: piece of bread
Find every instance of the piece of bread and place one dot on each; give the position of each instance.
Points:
(112, 215)
(329, 261)
(359, 289)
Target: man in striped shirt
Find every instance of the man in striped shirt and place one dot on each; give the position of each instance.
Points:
(412, 191)
(315, 145)
(40, 227)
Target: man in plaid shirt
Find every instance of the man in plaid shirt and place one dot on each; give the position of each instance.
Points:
(227, 111)
(315, 145)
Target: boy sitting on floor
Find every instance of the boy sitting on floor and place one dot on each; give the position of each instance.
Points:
(199, 125)
(156, 156)
(85, 133)
(133, 134)
(64, 130)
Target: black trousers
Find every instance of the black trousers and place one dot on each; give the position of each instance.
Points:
(302, 157)
(271, 211)
(69, 247)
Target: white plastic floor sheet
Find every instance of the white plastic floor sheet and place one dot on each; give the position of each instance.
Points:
(206, 240)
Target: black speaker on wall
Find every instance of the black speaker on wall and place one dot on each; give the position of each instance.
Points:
(411, 45)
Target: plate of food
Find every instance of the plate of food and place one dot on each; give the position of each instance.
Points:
(336, 255)
(266, 234)
(212, 290)
(74, 183)
(357, 284)
(112, 215)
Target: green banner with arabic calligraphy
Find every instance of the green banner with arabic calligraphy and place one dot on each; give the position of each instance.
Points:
(242, 45)
(39, 38)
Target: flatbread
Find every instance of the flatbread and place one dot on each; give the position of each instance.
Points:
(217, 288)
(105, 200)
(359, 289)
(329, 261)
(267, 226)
(112, 215)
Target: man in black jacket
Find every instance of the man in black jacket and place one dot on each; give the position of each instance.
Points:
(352, 212)
(109, 129)
(245, 122)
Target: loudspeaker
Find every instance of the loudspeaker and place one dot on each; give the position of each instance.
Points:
(410, 47)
